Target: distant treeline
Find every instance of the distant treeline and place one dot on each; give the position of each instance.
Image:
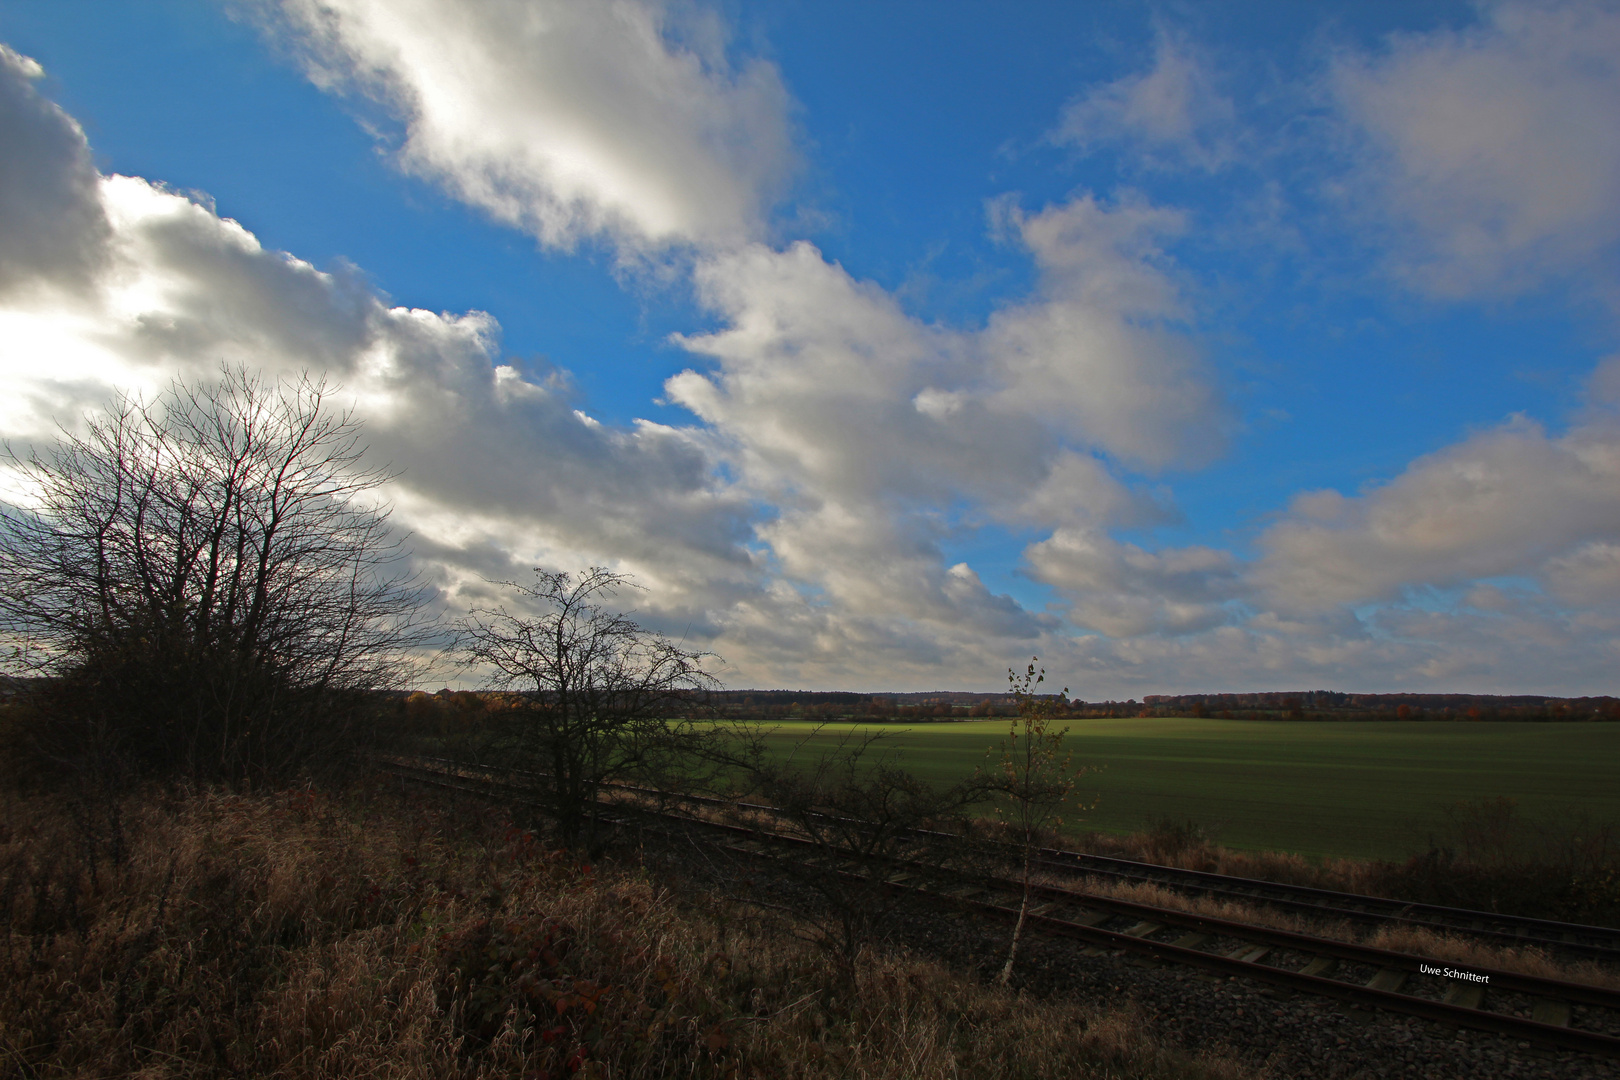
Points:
(416, 707)
(837, 704)
(1277, 705)
(1332, 705)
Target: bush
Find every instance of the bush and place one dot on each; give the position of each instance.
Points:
(289, 934)
(1490, 858)
(208, 583)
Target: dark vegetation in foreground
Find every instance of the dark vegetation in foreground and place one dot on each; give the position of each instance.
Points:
(297, 933)
(1488, 856)
(352, 928)
(197, 877)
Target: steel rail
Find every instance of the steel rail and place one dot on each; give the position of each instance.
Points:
(1593, 942)
(1469, 1016)
(1383, 959)
(1355, 906)
(1567, 1038)
(1101, 909)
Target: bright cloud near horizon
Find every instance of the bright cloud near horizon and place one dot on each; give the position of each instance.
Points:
(1242, 347)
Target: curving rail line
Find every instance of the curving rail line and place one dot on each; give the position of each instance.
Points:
(1568, 939)
(1551, 1012)
(1595, 942)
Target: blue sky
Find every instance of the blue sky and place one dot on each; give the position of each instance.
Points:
(1191, 347)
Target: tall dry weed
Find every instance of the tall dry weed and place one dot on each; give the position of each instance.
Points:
(294, 935)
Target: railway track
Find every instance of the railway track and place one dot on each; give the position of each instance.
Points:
(1549, 1012)
(1568, 939)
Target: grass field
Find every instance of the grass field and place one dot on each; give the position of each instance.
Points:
(1374, 789)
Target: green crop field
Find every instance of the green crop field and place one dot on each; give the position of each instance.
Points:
(1374, 789)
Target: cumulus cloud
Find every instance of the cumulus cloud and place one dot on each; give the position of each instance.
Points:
(827, 401)
(869, 435)
(825, 388)
(1174, 113)
(51, 226)
(853, 423)
(1098, 354)
(500, 469)
(801, 526)
(862, 424)
(1509, 501)
(623, 120)
(1123, 590)
(1078, 489)
(1495, 147)
(1526, 650)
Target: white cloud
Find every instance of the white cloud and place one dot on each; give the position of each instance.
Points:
(1495, 148)
(1401, 649)
(1509, 501)
(1174, 112)
(1587, 576)
(617, 119)
(826, 389)
(827, 404)
(51, 225)
(856, 423)
(1123, 590)
(861, 423)
(801, 527)
(1079, 490)
(503, 469)
(499, 470)
(1095, 355)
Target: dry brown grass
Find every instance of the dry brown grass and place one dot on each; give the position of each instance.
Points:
(292, 935)
(1410, 939)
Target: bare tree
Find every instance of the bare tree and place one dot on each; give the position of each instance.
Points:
(207, 577)
(603, 698)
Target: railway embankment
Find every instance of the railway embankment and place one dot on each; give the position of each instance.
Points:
(1298, 993)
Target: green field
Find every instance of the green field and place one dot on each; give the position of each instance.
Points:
(1373, 789)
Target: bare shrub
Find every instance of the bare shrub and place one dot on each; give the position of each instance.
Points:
(289, 934)
(1034, 779)
(865, 821)
(208, 581)
(597, 697)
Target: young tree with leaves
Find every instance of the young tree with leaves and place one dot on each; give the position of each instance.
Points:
(1034, 777)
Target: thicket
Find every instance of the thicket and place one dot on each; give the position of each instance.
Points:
(204, 587)
(864, 823)
(590, 697)
(297, 934)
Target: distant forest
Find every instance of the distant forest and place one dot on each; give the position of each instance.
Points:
(1308, 705)
(932, 705)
